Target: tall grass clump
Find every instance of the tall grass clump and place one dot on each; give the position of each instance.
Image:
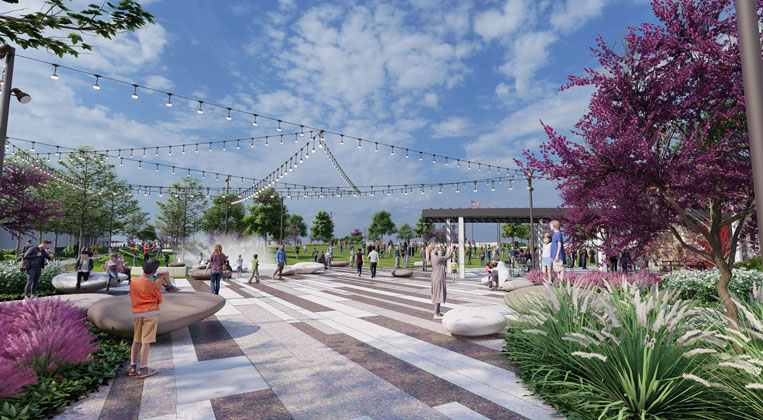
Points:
(618, 352)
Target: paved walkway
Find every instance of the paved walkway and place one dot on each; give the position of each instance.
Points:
(323, 346)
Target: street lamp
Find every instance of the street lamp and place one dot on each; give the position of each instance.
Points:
(9, 53)
(530, 189)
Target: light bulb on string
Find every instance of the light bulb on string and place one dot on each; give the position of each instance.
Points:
(313, 146)
(169, 102)
(421, 156)
(488, 168)
(302, 131)
(281, 139)
(341, 139)
(458, 163)
(157, 168)
(130, 153)
(197, 148)
(228, 117)
(492, 187)
(210, 146)
(54, 76)
(360, 146)
(96, 86)
(160, 192)
(251, 143)
(157, 152)
(376, 146)
(511, 185)
(217, 177)
(440, 192)
(188, 175)
(225, 146)
(457, 188)
(279, 126)
(169, 151)
(140, 164)
(434, 158)
(32, 147)
(254, 123)
(392, 152)
(266, 141)
(479, 167)
(203, 175)
(238, 144)
(200, 110)
(296, 138)
(134, 91)
(475, 187)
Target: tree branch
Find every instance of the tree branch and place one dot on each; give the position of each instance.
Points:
(687, 246)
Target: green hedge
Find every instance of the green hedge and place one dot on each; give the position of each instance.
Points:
(70, 383)
(13, 280)
(753, 263)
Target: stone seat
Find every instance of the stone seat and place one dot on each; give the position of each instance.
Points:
(516, 299)
(335, 263)
(308, 267)
(177, 310)
(473, 321)
(418, 263)
(402, 272)
(67, 282)
(176, 264)
(203, 274)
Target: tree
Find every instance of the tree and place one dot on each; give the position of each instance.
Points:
(322, 228)
(405, 232)
(118, 206)
(23, 203)
(134, 222)
(54, 24)
(381, 224)
(264, 216)
(664, 141)
(424, 230)
(295, 226)
(515, 230)
(213, 220)
(356, 236)
(180, 214)
(148, 233)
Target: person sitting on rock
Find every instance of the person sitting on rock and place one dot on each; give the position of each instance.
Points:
(83, 266)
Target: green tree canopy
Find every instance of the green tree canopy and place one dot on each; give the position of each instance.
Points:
(424, 230)
(213, 220)
(264, 216)
(59, 29)
(180, 214)
(148, 233)
(515, 230)
(295, 227)
(323, 227)
(134, 222)
(405, 232)
(381, 224)
(118, 206)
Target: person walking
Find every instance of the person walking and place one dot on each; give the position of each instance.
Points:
(296, 252)
(359, 261)
(329, 257)
(468, 255)
(424, 259)
(83, 266)
(26, 246)
(439, 263)
(280, 263)
(482, 257)
(407, 256)
(397, 257)
(201, 258)
(145, 297)
(135, 258)
(239, 266)
(315, 254)
(256, 269)
(546, 261)
(453, 269)
(373, 259)
(557, 249)
(215, 267)
(34, 259)
(146, 250)
(352, 257)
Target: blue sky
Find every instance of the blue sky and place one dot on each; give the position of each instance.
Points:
(467, 79)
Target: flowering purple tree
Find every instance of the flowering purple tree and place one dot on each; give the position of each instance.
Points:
(22, 201)
(664, 144)
(356, 233)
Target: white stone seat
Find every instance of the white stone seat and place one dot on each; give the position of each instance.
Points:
(308, 267)
(473, 321)
(67, 282)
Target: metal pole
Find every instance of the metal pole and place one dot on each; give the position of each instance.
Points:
(227, 188)
(532, 219)
(280, 239)
(752, 75)
(10, 54)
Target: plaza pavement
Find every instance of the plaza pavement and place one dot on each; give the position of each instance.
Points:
(323, 346)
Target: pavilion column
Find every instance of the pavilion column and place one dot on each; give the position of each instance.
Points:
(461, 253)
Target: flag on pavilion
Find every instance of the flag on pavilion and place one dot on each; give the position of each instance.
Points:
(475, 203)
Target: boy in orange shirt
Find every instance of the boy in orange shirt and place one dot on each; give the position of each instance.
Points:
(146, 297)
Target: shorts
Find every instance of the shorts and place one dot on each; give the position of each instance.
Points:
(145, 329)
(547, 261)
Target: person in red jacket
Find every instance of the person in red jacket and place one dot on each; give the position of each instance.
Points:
(146, 297)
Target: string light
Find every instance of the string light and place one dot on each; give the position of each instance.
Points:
(200, 111)
(157, 168)
(376, 148)
(360, 146)
(169, 151)
(54, 76)
(96, 86)
(228, 117)
(341, 139)
(392, 152)
(279, 126)
(197, 148)
(254, 123)
(134, 91)
(169, 100)
(421, 157)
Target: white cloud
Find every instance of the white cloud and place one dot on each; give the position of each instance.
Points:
(530, 52)
(498, 23)
(431, 99)
(452, 127)
(159, 82)
(571, 15)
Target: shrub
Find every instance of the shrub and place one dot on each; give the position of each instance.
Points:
(753, 263)
(14, 377)
(598, 278)
(608, 353)
(13, 280)
(701, 285)
(44, 334)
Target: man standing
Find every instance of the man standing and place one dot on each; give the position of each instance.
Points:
(373, 258)
(281, 262)
(397, 257)
(424, 258)
(35, 257)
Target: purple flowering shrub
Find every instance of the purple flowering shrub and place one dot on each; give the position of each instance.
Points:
(40, 336)
(599, 278)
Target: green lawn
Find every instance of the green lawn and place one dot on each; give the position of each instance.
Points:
(386, 261)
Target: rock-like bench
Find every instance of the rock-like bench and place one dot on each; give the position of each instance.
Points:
(177, 310)
(418, 263)
(67, 282)
(308, 267)
(517, 299)
(174, 271)
(176, 264)
(203, 274)
(473, 321)
(402, 272)
(335, 263)
(80, 300)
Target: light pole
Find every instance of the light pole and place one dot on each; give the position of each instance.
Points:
(532, 219)
(752, 75)
(280, 239)
(9, 53)
(227, 189)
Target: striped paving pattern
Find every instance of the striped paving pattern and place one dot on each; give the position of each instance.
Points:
(323, 346)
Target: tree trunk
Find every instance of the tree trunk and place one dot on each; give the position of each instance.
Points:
(39, 236)
(55, 240)
(18, 245)
(723, 287)
(69, 243)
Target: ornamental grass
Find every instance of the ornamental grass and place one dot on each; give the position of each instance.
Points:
(619, 352)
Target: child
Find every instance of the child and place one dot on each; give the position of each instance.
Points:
(201, 258)
(167, 259)
(546, 261)
(83, 266)
(146, 297)
(135, 258)
(239, 266)
(255, 270)
(453, 269)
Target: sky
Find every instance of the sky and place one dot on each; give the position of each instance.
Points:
(466, 79)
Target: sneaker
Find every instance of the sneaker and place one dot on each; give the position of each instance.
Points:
(437, 316)
(131, 371)
(172, 289)
(146, 373)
